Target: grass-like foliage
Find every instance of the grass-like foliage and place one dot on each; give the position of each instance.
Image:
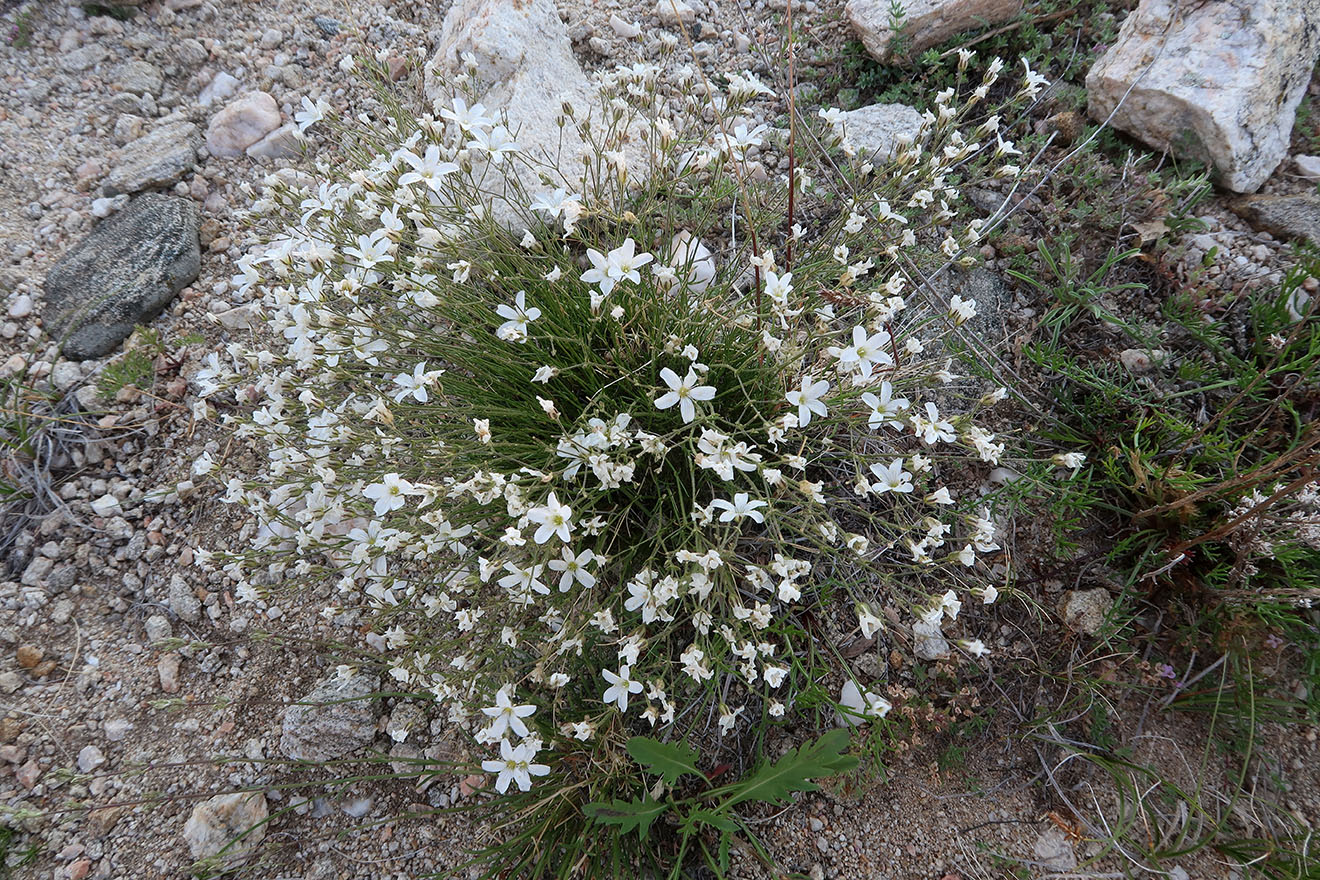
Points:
(591, 449)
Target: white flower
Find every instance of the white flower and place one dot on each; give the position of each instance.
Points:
(741, 506)
(515, 765)
(962, 309)
(932, 429)
(683, 392)
(620, 687)
(482, 429)
(622, 263)
(554, 519)
(468, 118)
(554, 202)
(807, 398)
(505, 716)
(886, 408)
(865, 352)
(545, 374)
(1070, 460)
(868, 621)
(574, 569)
(414, 384)
(975, 647)
(496, 143)
(310, 114)
(892, 478)
(389, 494)
(517, 317)
(426, 169)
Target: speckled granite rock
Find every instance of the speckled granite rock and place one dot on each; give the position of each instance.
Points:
(159, 158)
(1214, 82)
(927, 23)
(123, 274)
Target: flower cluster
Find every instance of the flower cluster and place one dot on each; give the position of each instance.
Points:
(601, 466)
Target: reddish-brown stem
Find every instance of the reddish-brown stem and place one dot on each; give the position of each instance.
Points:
(792, 130)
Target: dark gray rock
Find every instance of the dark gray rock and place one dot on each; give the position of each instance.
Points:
(123, 274)
(336, 718)
(327, 25)
(1284, 216)
(158, 158)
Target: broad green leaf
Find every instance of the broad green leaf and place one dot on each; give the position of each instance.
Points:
(668, 760)
(794, 772)
(634, 815)
(714, 820)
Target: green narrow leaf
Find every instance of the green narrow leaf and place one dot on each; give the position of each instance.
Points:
(668, 760)
(634, 815)
(794, 772)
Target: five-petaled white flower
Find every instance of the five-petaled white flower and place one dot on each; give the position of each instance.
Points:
(515, 765)
(932, 429)
(622, 263)
(885, 408)
(389, 494)
(807, 398)
(620, 687)
(741, 505)
(468, 118)
(683, 392)
(865, 352)
(517, 317)
(892, 478)
(574, 569)
(554, 519)
(505, 716)
(427, 169)
(496, 142)
(414, 384)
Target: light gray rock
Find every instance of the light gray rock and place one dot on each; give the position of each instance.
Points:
(928, 641)
(160, 157)
(183, 601)
(1308, 166)
(242, 122)
(158, 628)
(525, 60)
(1213, 82)
(84, 58)
(285, 142)
(90, 758)
(216, 822)
(338, 717)
(1285, 216)
(139, 77)
(879, 129)
(671, 12)
(927, 22)
(1054, 850)
(221, 87)
(123, 274)
(1084, 611)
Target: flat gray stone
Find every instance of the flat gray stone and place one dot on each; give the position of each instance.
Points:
(161, 157)
(139, 77)
(122, 274)
(878, 130)
(1283, 216)
(338, 717)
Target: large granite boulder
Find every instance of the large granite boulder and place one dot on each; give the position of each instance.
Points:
(926, 23)
(1217, 82)
(122, 274)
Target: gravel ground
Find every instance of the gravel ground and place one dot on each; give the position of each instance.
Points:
(123, 670)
